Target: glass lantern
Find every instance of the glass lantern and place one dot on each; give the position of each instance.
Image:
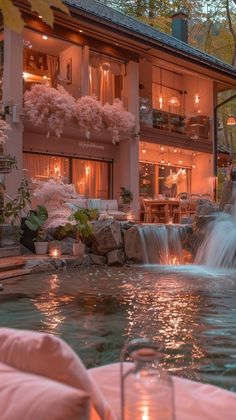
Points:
(55, 250)
(147, 391)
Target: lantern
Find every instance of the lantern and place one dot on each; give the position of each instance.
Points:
(231, 121)
(55, 250)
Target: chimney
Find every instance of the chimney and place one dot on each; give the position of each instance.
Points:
(180, 26)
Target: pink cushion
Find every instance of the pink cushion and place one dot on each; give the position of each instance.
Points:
(49, 356)
(193, 400)
(24, 396)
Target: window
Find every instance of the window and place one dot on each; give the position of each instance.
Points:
(106, 77)
(152, 179)
(91, 178)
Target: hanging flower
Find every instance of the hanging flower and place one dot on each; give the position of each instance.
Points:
(88, 113)
(46, 104)
(3, 128)
(116, 117)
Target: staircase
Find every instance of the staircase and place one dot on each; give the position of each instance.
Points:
(12, 267)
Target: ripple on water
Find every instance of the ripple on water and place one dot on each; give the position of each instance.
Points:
(190, 311)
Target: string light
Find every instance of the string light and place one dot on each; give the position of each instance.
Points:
(162, 148)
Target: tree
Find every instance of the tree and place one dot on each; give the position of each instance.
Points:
(12, 16)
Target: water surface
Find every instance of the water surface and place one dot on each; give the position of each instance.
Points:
(190, 311)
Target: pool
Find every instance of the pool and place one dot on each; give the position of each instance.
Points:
(190, 311)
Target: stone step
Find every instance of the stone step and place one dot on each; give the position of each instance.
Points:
(10, 251)
(11, 263)
(14, 273)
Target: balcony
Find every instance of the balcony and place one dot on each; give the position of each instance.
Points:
(196, 126)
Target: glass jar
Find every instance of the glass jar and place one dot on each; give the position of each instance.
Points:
(147, 391)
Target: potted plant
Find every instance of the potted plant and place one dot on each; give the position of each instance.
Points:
(11, 212)
(126, 195)
(34, 222)
(83, 230)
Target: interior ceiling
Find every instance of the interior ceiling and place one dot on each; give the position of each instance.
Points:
(53, 46)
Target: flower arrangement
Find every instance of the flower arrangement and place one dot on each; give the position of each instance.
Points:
(175, 178)
(117, 119)
(88, 113)
(55, 106)
(3, 128)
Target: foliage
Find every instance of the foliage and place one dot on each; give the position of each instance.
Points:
(4, 126)
(126, 195)
(83, 227)
(88, 113)
(56, 107)
(35, 221)
(212, 23)
(13, 19)
(62, 232)
(115, 116)
(11, 212)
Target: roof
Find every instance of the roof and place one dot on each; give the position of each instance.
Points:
(110, 15)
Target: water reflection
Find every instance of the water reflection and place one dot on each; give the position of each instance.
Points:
(50, 304)
(190, 313)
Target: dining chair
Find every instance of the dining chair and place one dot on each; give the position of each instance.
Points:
(207, 196)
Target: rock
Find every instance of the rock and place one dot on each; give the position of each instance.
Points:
(107, 237)
(116, 257)
(227, 196)
(206, 207)
(67, 246)
(228, 208)
(97, 259)
(133, 246)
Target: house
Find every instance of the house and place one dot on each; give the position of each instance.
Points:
(169, 86)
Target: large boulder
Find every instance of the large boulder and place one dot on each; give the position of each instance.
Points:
(116, 257)
(97, 259)
(133, 245)
(107, 236)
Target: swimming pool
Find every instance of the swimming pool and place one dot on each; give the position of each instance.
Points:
(191, 312)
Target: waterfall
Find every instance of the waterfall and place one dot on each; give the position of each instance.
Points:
(161, 244)
(218, 249)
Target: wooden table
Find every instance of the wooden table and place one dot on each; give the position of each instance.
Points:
(161, 210)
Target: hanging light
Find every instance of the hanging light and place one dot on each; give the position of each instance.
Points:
(144, 148)
(197, 98)
(174, 101)
(194, 166)
(162, 161)
(106, 66)
(231, 121)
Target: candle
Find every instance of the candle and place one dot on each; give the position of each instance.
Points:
(55, 251)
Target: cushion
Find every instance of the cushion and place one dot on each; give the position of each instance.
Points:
(78, 202)
(109, 205)
(94, 203)
(25, 396)
(193, 400)
(49, 356)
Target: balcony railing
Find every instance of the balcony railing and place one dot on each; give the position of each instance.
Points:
(195, 126)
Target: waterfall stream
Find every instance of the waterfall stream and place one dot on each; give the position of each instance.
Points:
(161, 244)
(218, 249)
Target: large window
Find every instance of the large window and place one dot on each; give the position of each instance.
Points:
(91, 178)
(106, 77)
(152, 180)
